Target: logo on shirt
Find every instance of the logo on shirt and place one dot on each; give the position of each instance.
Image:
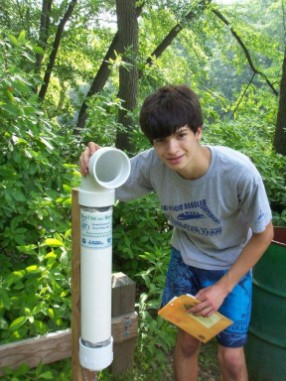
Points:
(190, 216)
(194, 217)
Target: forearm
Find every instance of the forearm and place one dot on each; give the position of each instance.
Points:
(249, 256)
(212, 297)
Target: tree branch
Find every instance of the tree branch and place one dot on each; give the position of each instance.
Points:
(102, 74)
(172, 35)
(244, 92)
(245, 50)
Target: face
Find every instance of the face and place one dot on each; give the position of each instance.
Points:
(180, 150)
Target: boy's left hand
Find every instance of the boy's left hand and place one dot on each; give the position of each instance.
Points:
(211, 298)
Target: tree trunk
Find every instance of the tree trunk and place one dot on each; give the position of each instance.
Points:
(100, 78)
(44, 32)
(128, 71)
(279, 142)
(103, 73)
(55, 48)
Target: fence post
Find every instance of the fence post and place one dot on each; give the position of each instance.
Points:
(75, 284)
(123, 302)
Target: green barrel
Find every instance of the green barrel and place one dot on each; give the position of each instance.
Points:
(266, 347)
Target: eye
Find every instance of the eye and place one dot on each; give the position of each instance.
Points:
(182, 134)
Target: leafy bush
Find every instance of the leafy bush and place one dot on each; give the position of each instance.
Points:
(253, 138)
(139, 227)
(142, 239)
(35, 181)
(35, 295)
(60, 371)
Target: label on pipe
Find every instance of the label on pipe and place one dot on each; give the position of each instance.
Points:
(96, 228)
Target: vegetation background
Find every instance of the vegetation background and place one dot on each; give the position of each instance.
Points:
(74, 71)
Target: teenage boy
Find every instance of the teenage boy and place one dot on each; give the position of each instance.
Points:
(215, 200)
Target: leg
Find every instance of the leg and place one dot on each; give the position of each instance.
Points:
(237, 306)
(232, 364)
(186, 357)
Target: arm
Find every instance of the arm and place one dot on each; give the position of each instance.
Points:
(138, 183)
(84, 157)
(212, 297)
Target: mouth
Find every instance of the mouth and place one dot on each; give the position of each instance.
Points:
(175, 160)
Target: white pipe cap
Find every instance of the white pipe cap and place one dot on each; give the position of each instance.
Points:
(95, 358)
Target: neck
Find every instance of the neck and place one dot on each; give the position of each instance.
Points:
(199, 166)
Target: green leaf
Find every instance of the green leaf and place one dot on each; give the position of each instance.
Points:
(5, 299)
(46, 143)
(28, 56)
(46, 376)
(11, 109)
(27, 249)
(3, 323)
(17, 323)
(18, 274)
(22, 36)
(13, 39)
(37, 49)
(50, 255)
(32, 269)
(52, 242)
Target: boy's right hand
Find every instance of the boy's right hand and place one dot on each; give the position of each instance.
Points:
(84, 157)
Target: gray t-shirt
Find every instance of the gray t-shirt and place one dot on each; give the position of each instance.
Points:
(212, 216)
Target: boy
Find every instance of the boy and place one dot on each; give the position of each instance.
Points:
(215, 199)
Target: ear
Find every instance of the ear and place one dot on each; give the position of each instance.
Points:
(199, 133)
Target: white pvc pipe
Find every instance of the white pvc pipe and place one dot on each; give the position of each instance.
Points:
(109, 168)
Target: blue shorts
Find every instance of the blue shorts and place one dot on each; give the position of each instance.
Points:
(183, 279)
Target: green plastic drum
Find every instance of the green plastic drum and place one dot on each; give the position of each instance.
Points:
(266, 347)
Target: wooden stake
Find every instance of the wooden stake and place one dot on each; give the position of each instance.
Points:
(75, 284)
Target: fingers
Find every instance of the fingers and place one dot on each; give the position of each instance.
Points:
(83, 161)
(84, 157)
(209, 301)
(93, 147)
(203, 309)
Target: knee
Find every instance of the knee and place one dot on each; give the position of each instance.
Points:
(232, 361)
(188, 345)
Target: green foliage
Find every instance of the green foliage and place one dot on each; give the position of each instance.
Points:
(141, 249)
(60, 371)
(101, 126)
(253, 138)
(32, 202)
(35, 201)
(39, 153)
(139, 227)
(156, 336)
(35, 290)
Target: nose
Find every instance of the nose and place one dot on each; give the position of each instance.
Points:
(172, 146)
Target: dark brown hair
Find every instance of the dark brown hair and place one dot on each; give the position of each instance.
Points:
(168, 109)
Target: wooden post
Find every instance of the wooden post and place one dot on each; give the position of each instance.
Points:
(75, 284)
(123, 302)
